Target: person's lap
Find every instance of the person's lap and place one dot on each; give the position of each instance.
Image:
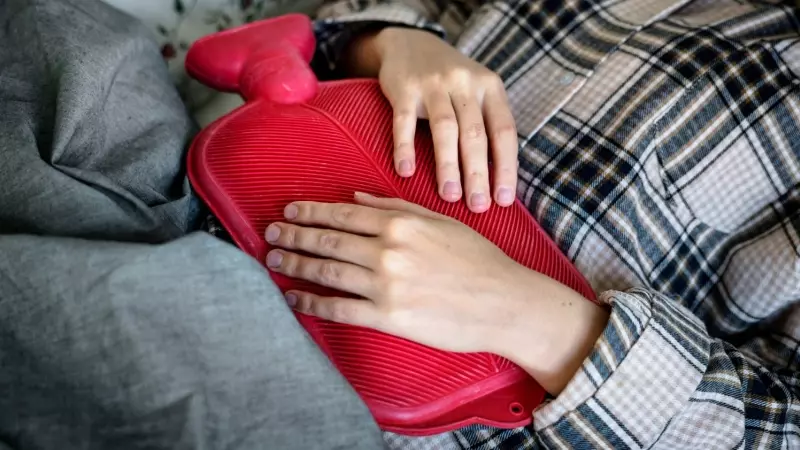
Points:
(117, 329)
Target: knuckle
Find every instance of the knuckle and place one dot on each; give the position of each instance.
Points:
(387, 261)
(313, 305)
(400, 227)
(459, 75)
(445, 123)
(342, 214)
(291, 264)
(342, 312)
(447, 167)
(473, 132)
(290, 236)
(508, 169)
(411, 82)
(328, 273)
(477, 176)
(504, 130)
(478, 179)
(392, 263)
(329, 241)
(405, 148)
(430, 81)
(401, 117)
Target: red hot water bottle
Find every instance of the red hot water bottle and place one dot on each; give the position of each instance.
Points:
(299, 139)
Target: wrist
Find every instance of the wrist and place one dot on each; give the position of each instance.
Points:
(554, 330)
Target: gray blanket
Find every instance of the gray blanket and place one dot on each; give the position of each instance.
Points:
(118, 329)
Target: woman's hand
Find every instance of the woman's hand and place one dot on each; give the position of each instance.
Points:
(430, 279)
(424, 77)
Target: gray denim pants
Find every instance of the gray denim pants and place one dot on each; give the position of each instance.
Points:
(120, 329)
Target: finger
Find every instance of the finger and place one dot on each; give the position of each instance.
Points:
(395, 204)
(351, 311)
(503, 141)
(444, 129)
(334, 244)
(339, 216)
(405, 126)
(324, 272)
(474, 152)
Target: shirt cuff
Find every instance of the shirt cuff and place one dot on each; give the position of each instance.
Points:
(642, 371)
(333, 34)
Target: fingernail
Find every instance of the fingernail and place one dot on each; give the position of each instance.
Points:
(273, 233)
(290, 212)
(274, 259)
(291, 300)
(363, 195)
(405, 168)
(478, 200)
(505, 196)
(451, 189)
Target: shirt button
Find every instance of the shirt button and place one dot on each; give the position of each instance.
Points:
(567, 78)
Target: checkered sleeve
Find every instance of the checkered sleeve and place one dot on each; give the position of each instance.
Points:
(657, 377)
(339, 21)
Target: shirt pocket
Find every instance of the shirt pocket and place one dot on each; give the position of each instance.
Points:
(729, 146)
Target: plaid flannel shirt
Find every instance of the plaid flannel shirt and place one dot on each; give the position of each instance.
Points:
(660, 147)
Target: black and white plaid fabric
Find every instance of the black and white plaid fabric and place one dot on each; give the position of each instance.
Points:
(660, 147)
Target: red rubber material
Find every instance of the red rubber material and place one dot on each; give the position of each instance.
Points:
(249, 164)
(266, 60)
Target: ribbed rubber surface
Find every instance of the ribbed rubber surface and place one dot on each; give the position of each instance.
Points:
(250, 164)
